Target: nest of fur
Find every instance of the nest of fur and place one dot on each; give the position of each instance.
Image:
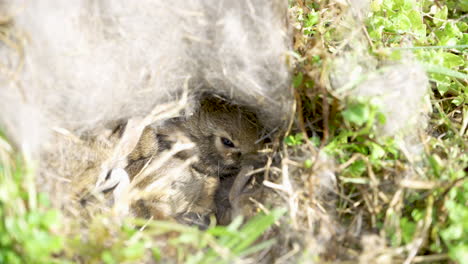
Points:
(75, 69)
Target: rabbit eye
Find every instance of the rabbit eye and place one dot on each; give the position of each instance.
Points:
(228, 143)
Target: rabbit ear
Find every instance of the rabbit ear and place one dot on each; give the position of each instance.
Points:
(239, 184)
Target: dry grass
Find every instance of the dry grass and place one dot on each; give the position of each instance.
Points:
(344, 205)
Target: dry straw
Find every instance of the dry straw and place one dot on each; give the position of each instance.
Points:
(73, 67)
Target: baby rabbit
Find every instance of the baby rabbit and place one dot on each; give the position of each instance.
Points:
(180, 183)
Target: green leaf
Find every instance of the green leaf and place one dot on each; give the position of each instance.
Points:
(453, 232)
(452, 30)
(357, 168)
(297, 80)
(463, 5)
(464, 39)
(377, 152)
(398, 4)
(417, 214)
(255, 227)
(447, 40)
(440, 15)
(51, 219)
(452, 61)
(415, 18)
(381, 118)
(402, 23)
(258, 247)
(458, 101)
(12, 258)
(444, 71)
(408, 228)
(376, 27)
(43, 199)
(107, 257)
(459, 253)
(312, 19)
(376, 5)
(134, 251)
(388, 4)
(435, 163)
(156, 253)
(357, 113)
(294, 140)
